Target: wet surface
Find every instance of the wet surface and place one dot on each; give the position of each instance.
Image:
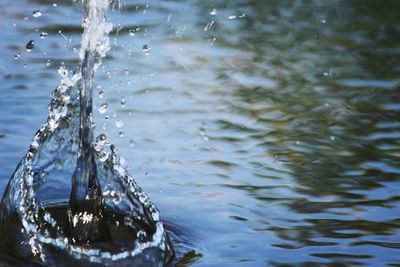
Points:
(260, 129)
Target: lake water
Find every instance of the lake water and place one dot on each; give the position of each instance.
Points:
(267, 133)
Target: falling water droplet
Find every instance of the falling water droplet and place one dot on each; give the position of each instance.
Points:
(123, 102)
(213, 12)
(119, 124)
(131, 143)
(126, 71)
(43, 35)
(63, 71)
(232, 17)
(36, 13)
(30, 45)
(323, 21)
(103, 108)
(17, 56)
(146, 49)
(55, 5)
(100, 91)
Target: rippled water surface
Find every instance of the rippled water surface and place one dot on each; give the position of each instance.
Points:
(266, 132)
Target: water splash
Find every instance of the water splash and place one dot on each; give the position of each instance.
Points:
(98, 214)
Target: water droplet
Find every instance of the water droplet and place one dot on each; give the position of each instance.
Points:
(209, 25)
(36, 13)
(146, 49)
(333, 138)
(48, 63)
(132, 32)
(43, 35)
(131, 143)
(100, 91)
(30, 45)
(121, 134)
(213, 12)
(232, 17)
(141, 235)
(63, 71)
(55, 5)
(102, 137)
(17, 56)
(126, 71)
(119, 124)
(123, 102)
(103, 108)
(323, 21)
(242, 15)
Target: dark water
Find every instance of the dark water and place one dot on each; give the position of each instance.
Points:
(266, 132)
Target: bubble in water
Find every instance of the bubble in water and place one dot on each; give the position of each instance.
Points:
(123, 102)
(36, 13)
(43, 35)
(119, 124)
(146, 49)
(213, 12)
(103, 108)
(30, 45)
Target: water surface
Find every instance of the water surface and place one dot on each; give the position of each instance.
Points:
(266, 132)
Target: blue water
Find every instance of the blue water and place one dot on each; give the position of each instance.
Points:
(269, 138)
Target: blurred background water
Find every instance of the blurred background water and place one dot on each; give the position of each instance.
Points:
(266, 132)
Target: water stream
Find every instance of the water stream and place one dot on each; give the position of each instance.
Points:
(107, 218)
